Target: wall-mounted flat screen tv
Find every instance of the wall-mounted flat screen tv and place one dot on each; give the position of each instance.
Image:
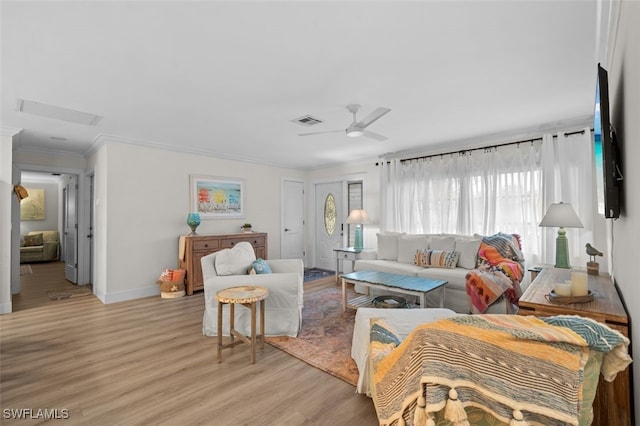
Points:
(608, 175)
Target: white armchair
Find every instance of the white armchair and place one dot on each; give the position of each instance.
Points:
(283, 306)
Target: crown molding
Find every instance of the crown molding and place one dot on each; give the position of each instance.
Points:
(9, 131)
(103, 139)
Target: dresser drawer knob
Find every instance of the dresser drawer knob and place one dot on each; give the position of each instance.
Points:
(206, 245)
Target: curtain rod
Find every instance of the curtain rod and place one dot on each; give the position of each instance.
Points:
(489, 147)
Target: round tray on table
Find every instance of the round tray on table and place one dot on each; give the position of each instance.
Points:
(390, 302)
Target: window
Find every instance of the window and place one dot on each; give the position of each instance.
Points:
(354, 191)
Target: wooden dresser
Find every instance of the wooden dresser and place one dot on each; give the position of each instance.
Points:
(612, 404)
(193, 247)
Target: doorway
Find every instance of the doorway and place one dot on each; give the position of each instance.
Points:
(66, 211)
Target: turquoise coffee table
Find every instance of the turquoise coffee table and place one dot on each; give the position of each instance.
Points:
(414, 286)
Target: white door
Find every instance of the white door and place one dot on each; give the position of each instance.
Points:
(71, 229)
(292, 237)
(328, 223)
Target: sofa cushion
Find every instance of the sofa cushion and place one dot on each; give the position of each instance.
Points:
(31, 240)
(409, 244)
(390, 266)
(236, 260)
(388, 245)
(436, 258)
(468, 249)
(439, 242)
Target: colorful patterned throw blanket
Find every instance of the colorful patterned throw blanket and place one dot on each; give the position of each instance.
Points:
(523, 370)
(499, 272)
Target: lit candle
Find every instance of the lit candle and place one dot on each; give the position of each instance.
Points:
(563, 289)
(579, 283)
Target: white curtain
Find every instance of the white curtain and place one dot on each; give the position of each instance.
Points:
(568, 167)
(503, 189)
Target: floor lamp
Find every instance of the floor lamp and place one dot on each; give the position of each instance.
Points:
(561, 215)
(357, 217)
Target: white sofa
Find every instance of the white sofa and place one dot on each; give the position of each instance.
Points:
(396, 253)
(283, 306)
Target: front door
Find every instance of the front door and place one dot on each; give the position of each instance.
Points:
(71, 229)
(329, 219)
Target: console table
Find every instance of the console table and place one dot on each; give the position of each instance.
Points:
(612, 404)
(192, 248)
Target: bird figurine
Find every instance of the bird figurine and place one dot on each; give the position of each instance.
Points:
(592, 252)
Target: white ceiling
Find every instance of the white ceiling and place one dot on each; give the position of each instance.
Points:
(226, 79)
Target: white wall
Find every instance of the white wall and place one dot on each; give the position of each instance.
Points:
(624, 90)
(7, 200)
(141, 206)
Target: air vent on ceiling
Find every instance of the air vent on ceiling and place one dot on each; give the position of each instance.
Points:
(307, 120)
(56, 112)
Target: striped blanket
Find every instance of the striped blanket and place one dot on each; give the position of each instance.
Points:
(516, 368)
(499, 272)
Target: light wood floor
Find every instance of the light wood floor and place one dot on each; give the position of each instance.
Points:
(147, 362)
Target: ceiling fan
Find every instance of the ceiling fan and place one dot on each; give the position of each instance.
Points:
(357, 128)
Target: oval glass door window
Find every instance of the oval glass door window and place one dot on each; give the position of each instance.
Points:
(330, 214)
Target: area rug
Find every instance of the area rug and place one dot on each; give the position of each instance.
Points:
(313, 274)
(68, 291)
(325, 338)
(25, 269)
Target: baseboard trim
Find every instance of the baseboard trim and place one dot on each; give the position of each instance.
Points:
(123, 296)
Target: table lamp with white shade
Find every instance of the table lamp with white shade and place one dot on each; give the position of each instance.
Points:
(358, 217)
(561, 215)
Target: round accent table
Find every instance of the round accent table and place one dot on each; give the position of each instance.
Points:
(247, 296)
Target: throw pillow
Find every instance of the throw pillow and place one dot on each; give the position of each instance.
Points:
(31, 240)
(407, 246)
(383, 340)
(388, 245)
(260, 266)
(235, 261)
(468, 249)
(436, 258)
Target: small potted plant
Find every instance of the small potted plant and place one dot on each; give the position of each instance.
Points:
(246, 227)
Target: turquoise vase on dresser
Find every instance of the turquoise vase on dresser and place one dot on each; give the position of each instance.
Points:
(193, 220)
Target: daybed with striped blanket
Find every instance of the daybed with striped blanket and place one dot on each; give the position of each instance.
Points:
(493, 369)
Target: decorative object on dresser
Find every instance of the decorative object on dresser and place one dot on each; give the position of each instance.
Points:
(246, 227)
(593, 267)
(193, 247)
(561, 215)
(358, 217)
(193, 220)
(612, 404)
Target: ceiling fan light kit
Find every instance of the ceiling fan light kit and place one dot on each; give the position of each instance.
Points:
(357, 128)
(354, 133)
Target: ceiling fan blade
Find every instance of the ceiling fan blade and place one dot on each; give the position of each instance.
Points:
(379, 112)
(321, 133)
(375, 136)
